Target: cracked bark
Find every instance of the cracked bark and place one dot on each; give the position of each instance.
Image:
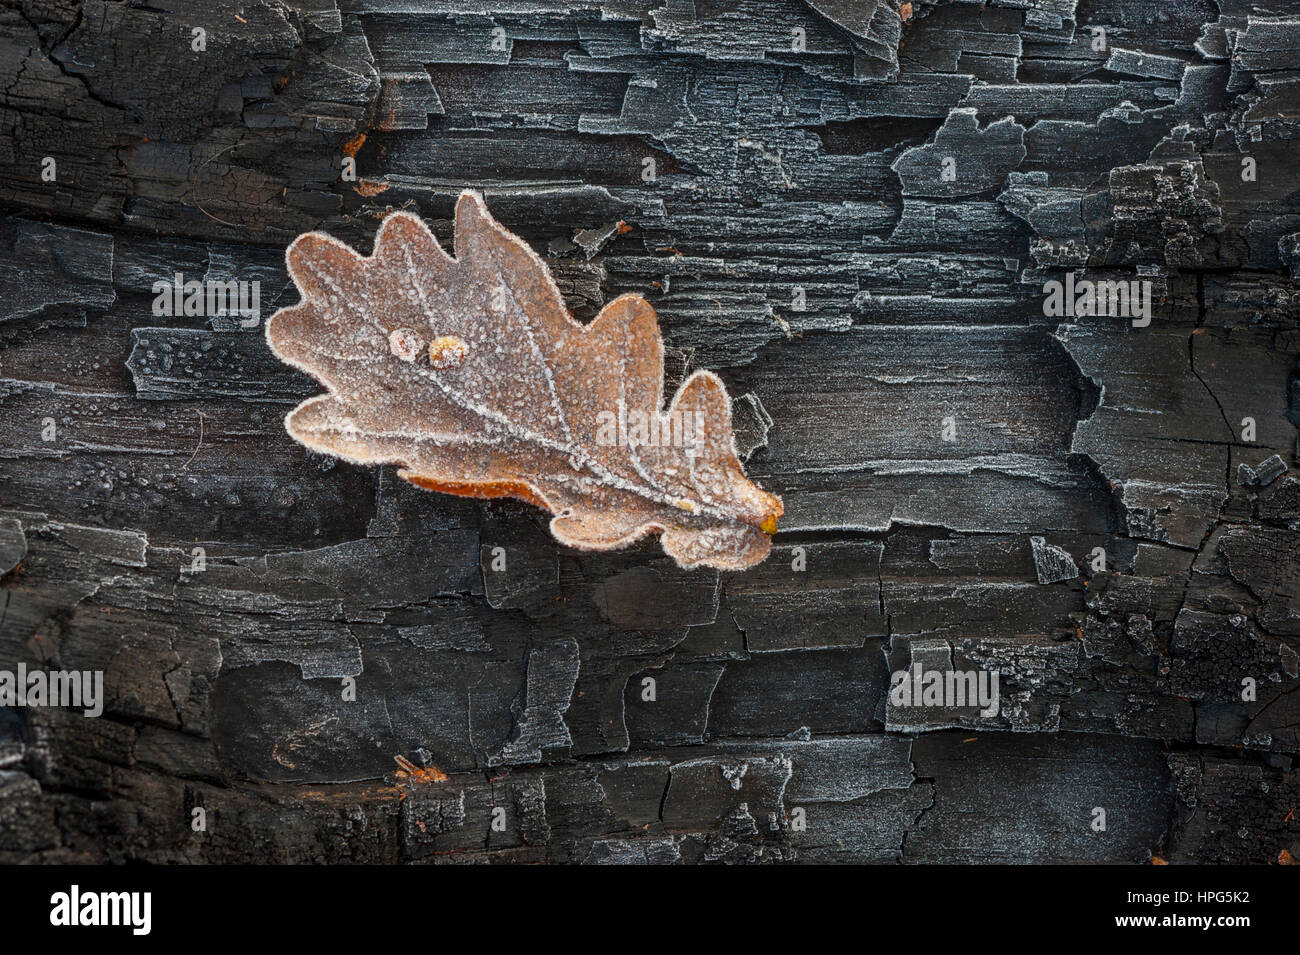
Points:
(800, 236)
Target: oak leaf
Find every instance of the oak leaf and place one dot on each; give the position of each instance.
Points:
(470, 374)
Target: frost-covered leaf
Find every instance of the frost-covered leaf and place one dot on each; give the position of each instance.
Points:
(471, 374)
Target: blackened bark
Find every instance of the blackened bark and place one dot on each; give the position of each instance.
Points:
(847, 209)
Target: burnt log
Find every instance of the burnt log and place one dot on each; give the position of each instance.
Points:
(854, 212)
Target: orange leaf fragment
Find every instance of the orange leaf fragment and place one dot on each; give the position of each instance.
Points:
(408, 770)
(369, 188)
(470, 373)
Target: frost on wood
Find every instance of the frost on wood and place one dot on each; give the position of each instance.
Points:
(774, 172)
(471, 374)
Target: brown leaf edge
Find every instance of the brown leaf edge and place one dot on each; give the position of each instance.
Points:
(527, 492)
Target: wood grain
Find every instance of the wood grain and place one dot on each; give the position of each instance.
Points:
(799, 236)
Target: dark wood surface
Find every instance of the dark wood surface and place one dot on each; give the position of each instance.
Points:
(787, 166)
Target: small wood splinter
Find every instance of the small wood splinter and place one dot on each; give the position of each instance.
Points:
(472, 376)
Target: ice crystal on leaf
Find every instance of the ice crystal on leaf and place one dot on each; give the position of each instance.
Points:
(470, 374)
